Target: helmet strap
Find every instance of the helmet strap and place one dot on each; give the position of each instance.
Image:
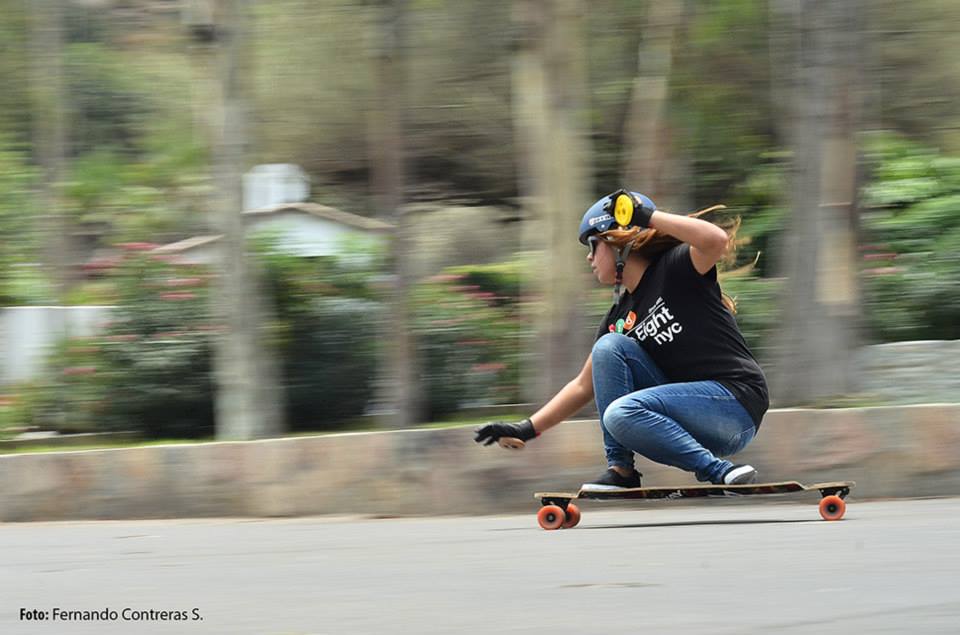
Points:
(622, 255)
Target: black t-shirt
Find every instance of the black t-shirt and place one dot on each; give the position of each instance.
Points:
(678, 317)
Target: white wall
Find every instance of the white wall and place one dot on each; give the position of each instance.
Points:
(27, 333)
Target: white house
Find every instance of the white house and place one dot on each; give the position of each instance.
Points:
(304, 229)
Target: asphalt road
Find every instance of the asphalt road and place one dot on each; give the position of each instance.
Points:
(717, 567)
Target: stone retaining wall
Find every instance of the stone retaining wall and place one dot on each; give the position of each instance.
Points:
(890, 452)
(911, 372)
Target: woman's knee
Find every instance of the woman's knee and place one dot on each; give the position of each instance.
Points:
(612, 420)
(612, 344)
(626, 414)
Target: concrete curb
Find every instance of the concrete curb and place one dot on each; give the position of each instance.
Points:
(902, 451)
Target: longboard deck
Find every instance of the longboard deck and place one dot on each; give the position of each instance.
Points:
(699, 491)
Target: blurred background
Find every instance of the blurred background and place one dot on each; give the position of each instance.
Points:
(242, 219)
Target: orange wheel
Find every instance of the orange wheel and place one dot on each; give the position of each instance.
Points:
(832, 507)
(550, 517)
(573, 516)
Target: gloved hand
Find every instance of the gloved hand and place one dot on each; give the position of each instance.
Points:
(509, 435)
(629, 210)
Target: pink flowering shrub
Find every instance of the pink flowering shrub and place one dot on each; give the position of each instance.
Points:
(470, 336)
(151, 368)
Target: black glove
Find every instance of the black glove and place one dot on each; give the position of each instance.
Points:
(488, 433)
(631, 211)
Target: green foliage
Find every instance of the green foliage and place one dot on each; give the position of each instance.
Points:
(330, 363)
(150, 370)
(757, 312)
(912, 242)
(330, 332)
(19, 230)
(14, 69)
(137, 168)
(721, 67)
(914, 88)
(157, 195)
(503, 279)
(105, 109)
(470, 336)
(15, 409)
(759, 201)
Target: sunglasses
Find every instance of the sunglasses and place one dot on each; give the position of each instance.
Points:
(592, 243)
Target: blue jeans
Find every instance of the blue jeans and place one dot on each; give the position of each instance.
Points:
(686, 425)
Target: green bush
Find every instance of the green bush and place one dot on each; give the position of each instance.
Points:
(16, 409)
(151, 369)
(468, 329)
(329, 327)
(19, 231)
(757, 315)
(911, 243)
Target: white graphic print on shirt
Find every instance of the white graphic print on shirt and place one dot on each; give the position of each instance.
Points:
(659, 324)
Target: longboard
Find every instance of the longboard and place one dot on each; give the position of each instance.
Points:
(558, 511)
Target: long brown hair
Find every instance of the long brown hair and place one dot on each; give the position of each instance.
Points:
(649, 243)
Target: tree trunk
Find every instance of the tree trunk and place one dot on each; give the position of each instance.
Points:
(552, 124)
(249, 402)
(387, 181)
(656, 162)
(200, 19)
(50, 139)
(821, 305)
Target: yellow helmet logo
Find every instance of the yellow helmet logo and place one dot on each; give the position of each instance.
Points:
(623, 210)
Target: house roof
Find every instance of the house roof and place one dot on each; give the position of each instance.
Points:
(313, 209)
(186, 244)
(327, 213)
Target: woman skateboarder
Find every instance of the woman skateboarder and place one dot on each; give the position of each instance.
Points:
(670, 372)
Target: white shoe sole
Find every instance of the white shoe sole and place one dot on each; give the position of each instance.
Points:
(743, 475)
(590, 487)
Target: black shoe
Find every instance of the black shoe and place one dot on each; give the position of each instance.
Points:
(739, 475)
(611, 480)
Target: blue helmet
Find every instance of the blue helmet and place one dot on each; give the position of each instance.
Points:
(605, 214)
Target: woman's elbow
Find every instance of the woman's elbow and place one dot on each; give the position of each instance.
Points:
(719, 242)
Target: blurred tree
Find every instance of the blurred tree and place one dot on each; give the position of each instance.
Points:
(15, 98)
(18, 231)
(387, 163)
(50, 138)
(821, 300)
(914, 68)
(720, 95)
(709, 75)
(552, 133)
(249, 402)
(656, 161)
(106, 109)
